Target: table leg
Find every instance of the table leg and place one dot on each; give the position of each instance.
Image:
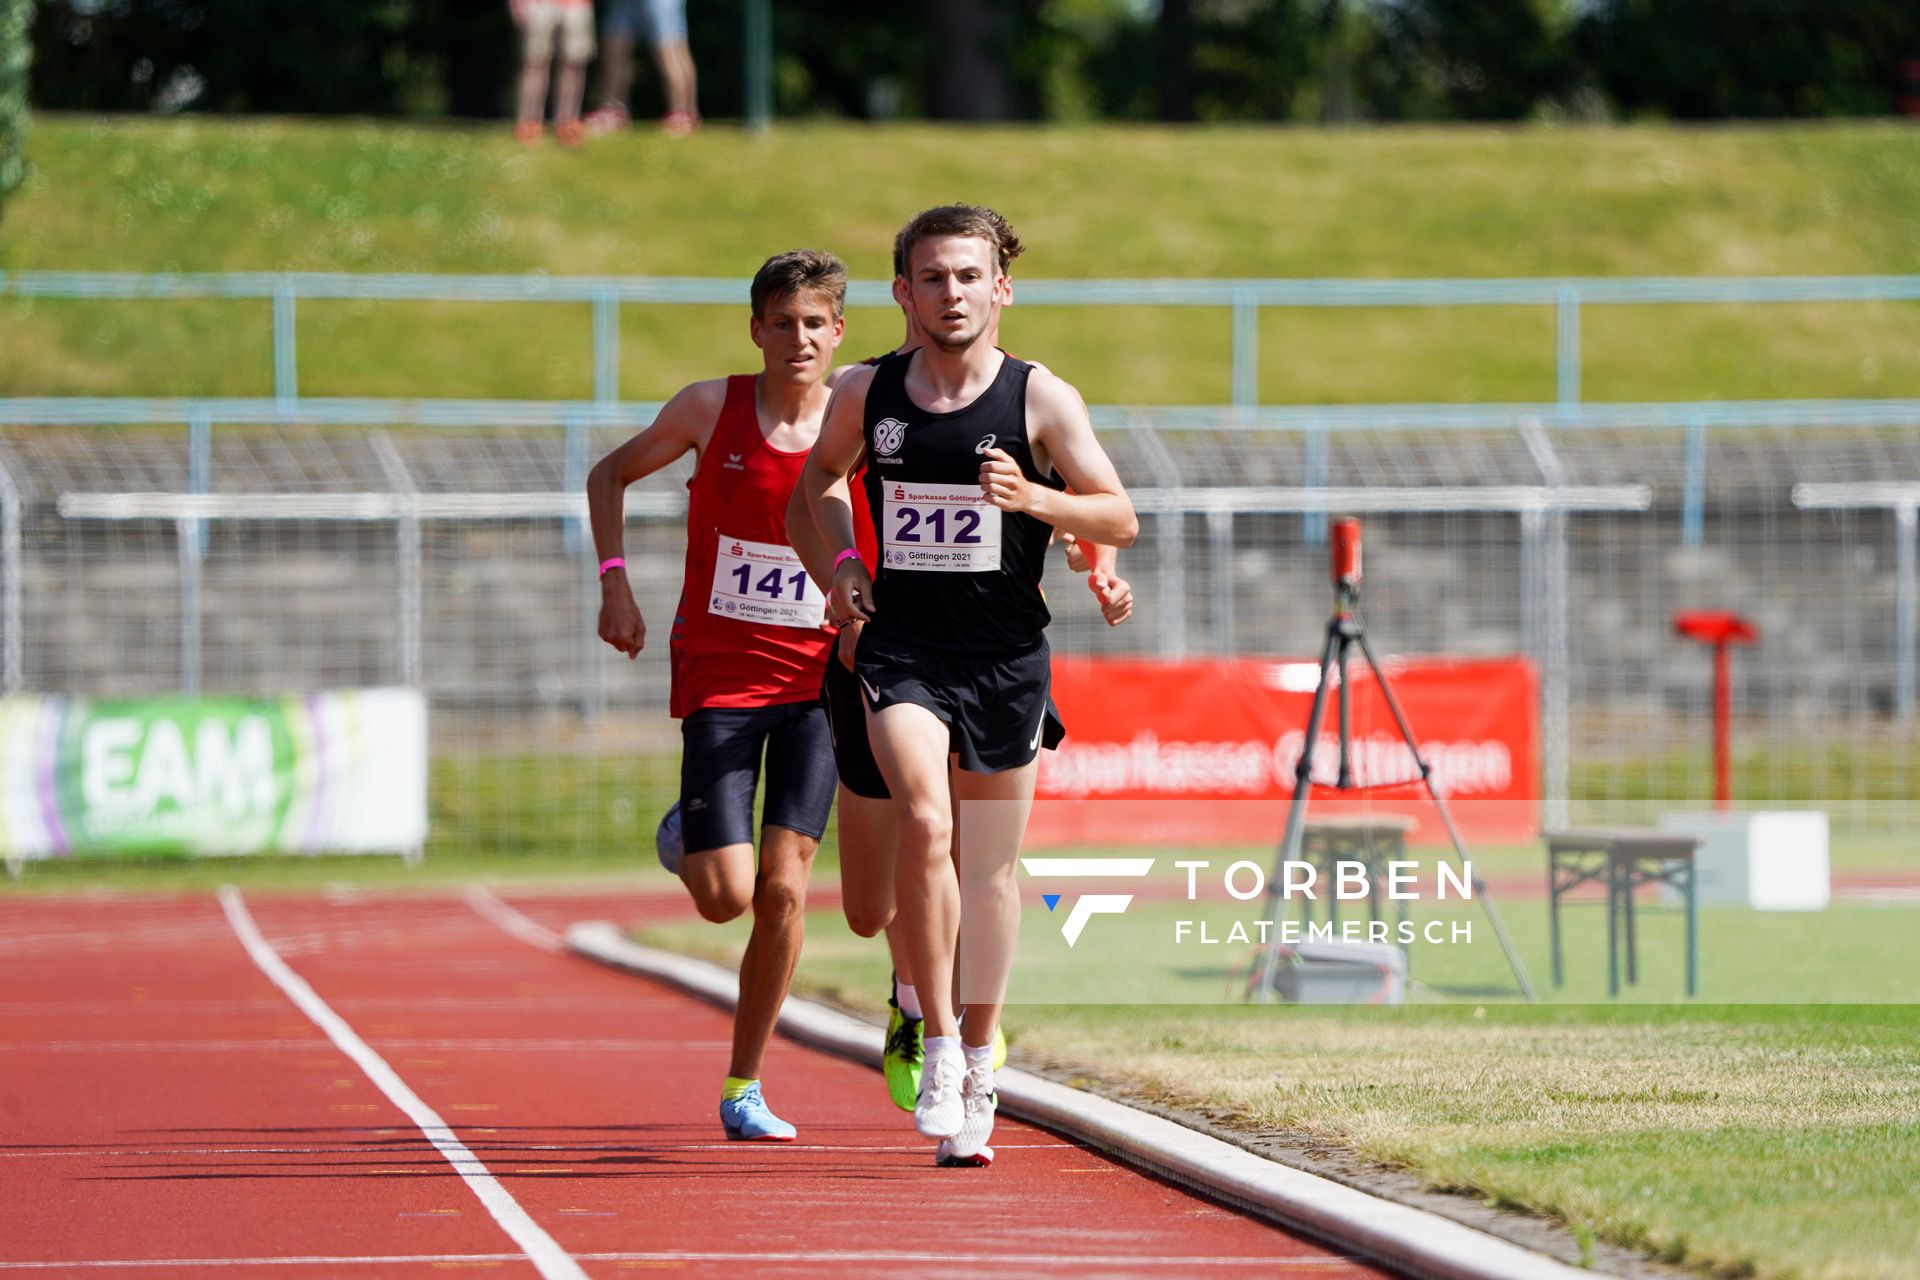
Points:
(1373, 891)
(1553, 917)
(1406, 948)
(1633, 934)
(1613, 926)
(1693, 944)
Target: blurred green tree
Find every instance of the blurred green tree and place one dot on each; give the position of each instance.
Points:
(1713, 59)
(16, 55)
(1204, 60)
(1465, 59)
(358, 57)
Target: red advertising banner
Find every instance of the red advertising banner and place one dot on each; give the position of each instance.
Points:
(1145, 740)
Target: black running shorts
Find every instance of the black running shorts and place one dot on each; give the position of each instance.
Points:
(852, 752)
(720, 756)
(998, 709)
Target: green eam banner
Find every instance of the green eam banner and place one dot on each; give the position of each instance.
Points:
(338, 772)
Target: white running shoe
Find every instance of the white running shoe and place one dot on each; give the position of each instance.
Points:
(944, 1157)
(939, 1112)
(977, 1103)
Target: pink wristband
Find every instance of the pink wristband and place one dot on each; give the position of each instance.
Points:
(851, 553)
(612, 562)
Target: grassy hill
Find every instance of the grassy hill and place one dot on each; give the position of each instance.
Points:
(206, 195)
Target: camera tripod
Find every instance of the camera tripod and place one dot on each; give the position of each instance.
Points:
(1344, 631)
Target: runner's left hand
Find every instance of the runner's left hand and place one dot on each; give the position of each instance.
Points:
(1001, 481)
(1077, 559)
(1114, 595)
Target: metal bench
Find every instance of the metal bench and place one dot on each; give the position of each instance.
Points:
(1624, 859)
(1372, 840)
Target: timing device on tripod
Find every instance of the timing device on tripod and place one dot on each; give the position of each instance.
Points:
(1344, 631)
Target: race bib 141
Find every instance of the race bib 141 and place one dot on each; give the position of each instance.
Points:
(764, 582)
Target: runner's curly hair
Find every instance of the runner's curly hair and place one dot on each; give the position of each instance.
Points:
(969, 220)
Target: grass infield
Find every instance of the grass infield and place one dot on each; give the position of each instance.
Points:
(141, 194)
(1772, 1140)
(1768, 1139)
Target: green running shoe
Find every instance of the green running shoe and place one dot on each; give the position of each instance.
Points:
(999, 1042)
(906, 1049)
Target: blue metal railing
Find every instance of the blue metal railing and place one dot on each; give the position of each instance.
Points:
(1243, 298)
(104, 411)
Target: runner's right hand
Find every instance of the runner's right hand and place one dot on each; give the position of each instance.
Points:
(620, 622)
(852, 592)
(848, 642)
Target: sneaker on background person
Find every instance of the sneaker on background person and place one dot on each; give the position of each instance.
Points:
(667, 843)
(611, 118)
(745, 1116)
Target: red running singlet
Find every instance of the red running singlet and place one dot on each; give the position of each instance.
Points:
(747, 629)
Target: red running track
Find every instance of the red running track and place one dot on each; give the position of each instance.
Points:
(164, 1104)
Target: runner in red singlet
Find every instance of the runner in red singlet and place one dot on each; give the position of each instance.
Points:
(748, 649)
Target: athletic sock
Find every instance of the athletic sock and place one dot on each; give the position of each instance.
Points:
(937, 1045)
(979, 1055)
(733, 1087)
(907, 998)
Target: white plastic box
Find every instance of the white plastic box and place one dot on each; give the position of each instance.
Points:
(1341, 973)
(1767, 861)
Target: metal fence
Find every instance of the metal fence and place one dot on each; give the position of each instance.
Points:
(286, 543)
(455, 558)
(1244, 299)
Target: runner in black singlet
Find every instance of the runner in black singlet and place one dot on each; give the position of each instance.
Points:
(962, 443)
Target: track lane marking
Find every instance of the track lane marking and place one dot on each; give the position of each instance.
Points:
(828, 1259)
(538, 1247)
(488, 906)
(280, 1046)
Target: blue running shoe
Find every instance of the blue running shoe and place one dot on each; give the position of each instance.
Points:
(667, 843)
(746, 1119)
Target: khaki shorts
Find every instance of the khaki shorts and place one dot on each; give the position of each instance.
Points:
(572, 22)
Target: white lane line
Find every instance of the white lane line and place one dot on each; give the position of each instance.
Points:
(398, 1046)
(1072, 1261)
(520, 925)
(1878, 897)
(134, 1006)
(539, 1247)
(511, 1145)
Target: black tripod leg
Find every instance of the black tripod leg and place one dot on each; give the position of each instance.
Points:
(1344, 778)
(1453, 832)
(1297, 812)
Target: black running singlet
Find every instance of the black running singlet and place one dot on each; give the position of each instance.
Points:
(956, 572)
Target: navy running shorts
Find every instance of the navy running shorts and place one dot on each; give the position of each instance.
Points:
(721, 750)
(852, 749)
